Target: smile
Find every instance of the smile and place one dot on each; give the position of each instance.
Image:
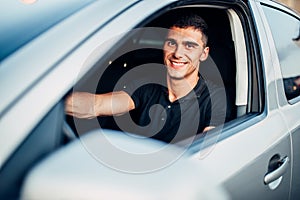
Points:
(178, 64)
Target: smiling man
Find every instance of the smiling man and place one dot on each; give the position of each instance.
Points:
(187, 105)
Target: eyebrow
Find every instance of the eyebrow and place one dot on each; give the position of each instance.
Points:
(191, 43)
(170, 40)
(184, 42)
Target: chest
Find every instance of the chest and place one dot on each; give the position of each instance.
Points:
(157, 108)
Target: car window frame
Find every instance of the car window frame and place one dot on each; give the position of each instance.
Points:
(255, 108)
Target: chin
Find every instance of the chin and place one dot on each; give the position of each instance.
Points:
(176, 76)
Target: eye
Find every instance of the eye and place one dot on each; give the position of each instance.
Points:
(171, 43)
(189, 46)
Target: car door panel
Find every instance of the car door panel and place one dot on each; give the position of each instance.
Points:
(250, 179)
(286, 50)
(291, 115)
(246, 155)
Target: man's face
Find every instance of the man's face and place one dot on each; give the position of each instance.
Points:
(183, 51)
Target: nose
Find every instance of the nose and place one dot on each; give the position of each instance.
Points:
(179, 51)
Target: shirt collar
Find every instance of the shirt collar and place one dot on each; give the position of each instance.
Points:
(197, 90)
(195, 93)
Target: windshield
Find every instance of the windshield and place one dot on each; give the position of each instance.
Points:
(20, 22)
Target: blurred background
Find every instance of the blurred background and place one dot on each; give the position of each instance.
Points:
(294, 4)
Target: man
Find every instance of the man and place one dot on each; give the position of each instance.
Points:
(187, 105)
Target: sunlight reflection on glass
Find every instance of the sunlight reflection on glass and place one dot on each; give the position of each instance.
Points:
(28, 1)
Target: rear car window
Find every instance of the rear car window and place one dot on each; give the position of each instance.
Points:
(288, 48)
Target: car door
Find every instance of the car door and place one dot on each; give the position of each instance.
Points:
(287, 47)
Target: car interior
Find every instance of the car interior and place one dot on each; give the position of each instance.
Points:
(143, 46)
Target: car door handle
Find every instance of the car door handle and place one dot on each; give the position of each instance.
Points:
(277, 173)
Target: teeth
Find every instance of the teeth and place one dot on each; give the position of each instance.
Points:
(178, 63)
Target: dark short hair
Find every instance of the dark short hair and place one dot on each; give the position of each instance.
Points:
(192, 20)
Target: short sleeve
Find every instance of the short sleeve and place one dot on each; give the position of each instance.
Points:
(134, 91)
(140, 90)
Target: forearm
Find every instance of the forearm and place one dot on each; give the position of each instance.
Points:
(87, 105)
(114, 103)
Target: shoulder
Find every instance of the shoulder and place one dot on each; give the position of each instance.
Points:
(210, 94)
(213, 89)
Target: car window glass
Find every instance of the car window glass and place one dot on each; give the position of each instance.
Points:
(19, 27)
(285, 29)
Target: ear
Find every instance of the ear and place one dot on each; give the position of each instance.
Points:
(204, 54)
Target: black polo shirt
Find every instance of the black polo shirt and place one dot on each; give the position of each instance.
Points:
(159, 118)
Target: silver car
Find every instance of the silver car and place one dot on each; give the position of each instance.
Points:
(50, 48)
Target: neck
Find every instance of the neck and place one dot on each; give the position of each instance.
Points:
(179, 88)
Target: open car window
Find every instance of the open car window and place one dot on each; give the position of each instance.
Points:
(136, 55)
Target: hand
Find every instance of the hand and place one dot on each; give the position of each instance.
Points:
(81, 105)
(208, 128)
